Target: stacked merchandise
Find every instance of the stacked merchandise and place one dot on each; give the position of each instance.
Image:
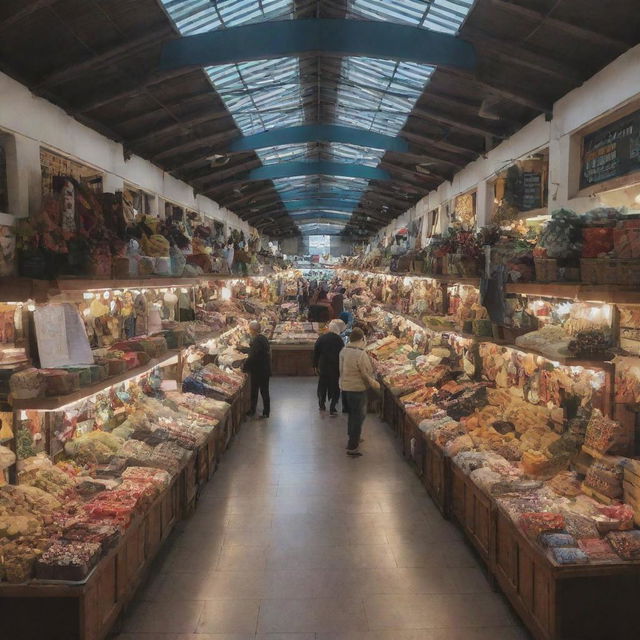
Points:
(213, 381)
(529, 435)
(62, 518)
(295, 333)
(80, 232)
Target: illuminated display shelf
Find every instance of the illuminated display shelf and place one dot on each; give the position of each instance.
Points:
(55, 403)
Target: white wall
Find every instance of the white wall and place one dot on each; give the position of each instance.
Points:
(35, 122)
(612, 88)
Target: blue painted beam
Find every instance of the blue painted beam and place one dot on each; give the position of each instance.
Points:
(290, 169)
(265, 40)
(355, 196)
(322, 216)
(319, 133)
(342, 205)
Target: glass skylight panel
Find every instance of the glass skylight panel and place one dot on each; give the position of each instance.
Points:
(199, 16)
(261, 94)
(379, 94)
(438, 15)
(284, 153)
(354, 154)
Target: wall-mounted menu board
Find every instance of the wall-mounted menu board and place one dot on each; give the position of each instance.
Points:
(611, 152)
(531, 195)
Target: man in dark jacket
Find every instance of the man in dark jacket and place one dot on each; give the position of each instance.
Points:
(326, 364)
(258, 366)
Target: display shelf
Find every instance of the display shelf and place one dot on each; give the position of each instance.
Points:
(565, 360)
(55, 403)
(435, 329)
(577, 291)
(445, 279)
(23, 289)
(548, 597)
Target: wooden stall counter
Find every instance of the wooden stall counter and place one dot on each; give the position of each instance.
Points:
(292, 359)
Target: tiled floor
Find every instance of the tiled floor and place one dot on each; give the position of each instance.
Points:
(294, 540)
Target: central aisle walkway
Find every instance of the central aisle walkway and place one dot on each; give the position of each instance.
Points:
(294, 540)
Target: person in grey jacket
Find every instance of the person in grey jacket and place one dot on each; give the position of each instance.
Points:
(356, 375)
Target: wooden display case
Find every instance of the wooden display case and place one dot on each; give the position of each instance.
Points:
(292, 359)
(89, 610)
(436, 476)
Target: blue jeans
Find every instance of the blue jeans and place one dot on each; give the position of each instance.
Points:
(357, 407)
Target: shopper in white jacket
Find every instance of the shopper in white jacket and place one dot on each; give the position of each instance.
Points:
(356, 375)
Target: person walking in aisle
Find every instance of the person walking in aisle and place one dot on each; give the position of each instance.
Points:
(326, 364)
(356, 375)
(258, 366)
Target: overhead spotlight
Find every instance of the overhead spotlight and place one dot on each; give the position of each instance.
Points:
(488, 108)
(218, 159)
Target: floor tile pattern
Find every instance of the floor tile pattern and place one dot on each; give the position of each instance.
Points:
(294, 540)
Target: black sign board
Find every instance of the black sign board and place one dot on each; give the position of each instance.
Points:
(611, 152)
(531, 195)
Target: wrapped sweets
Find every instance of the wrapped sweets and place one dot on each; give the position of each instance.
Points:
(598, 550)
(626, 543)
(556, 540)
(106, 535)
(68, 561)
(17, 561)
(604, 435)
(533, 524)
(564, 555)
(147, 474)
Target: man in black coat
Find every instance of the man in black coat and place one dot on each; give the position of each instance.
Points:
(326, 364)
(258, 366)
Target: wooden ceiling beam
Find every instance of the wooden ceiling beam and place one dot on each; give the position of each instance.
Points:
(184, 126)
(473, 126)
(25, 12)
(507, 93)
(518, 55)
(194, 99)
(413, 177)
(189, 145)
(141, 86)
(207, 184)
(569, 28)
(422, 141)
(109, 56)
(251, 196)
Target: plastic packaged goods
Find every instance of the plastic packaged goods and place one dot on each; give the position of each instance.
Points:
(598, 550)
(68, 561)
(567, 555)
(605, 435)
(533, 524)
(626, 543)
(555, 540)
(105, 535)
(93, 447)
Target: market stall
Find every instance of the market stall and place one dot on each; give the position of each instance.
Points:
(292, 348)
(526, 440)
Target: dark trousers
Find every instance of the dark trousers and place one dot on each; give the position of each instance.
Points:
(260, 383)
(357, 404)
(328, 386)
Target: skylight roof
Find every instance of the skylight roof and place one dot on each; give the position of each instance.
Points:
(261, 94)
(374, 94)
(438, 15)
(379, 94)
(199, 16)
